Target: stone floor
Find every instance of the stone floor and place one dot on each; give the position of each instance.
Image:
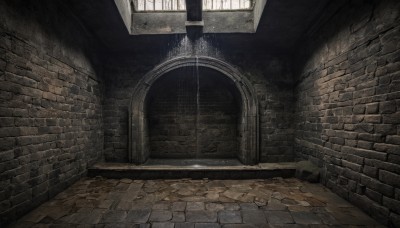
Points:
(98, 202)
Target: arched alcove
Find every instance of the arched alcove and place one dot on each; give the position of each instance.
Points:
(193, 113)
(139, 149)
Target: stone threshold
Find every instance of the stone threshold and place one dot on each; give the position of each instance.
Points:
(171, 170)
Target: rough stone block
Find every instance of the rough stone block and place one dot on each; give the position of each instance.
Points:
(385, 129)
(372, 118)
(352, 166)
(393, 139)
(392, 204)
(372, 108)
(394, 219)
(364, 145)
(377, 186)
(389, 178)
(370, 171)
(391, 118)
(374, 195)
(306, 170)
(387, 107)
(371, 137)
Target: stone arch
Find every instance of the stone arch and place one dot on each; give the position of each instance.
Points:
(249, 123)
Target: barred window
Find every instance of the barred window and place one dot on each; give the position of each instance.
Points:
(226, 4)
(179, 5)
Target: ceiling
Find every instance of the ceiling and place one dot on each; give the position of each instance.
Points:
(282, 25)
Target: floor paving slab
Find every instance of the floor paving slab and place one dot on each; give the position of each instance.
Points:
(276, 202)
(229, 217)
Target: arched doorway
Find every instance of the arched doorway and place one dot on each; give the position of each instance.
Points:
(247, 118)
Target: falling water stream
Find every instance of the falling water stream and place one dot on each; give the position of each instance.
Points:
(205, 45)
(197, 106)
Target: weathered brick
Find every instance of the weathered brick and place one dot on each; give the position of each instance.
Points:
(388, 166)
(394, 219)
(377, 185)
(20, 198)
(394, 158)
(6, 155)
(378, 211)
(393, 139)
(392, 204)
(352, 166)
(361, 127)
(49, 96)
(349, 173)
(23, 131)
(389, 178)
(364, 145)
(371, 137)
(391, 118)
(337, 140)
(346, 96)
(372, 108)
(359, 109)
(21, 80)
(17, 112)
(374, 195)
(364, 93)
(8, 132)
(6, 121)
(385, 129)
(387, 107)
(370, 171)
(372, 118)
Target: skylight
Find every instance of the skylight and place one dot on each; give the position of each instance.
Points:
(148, 17)
(179, 5)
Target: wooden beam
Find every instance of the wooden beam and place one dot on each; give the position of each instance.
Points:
(194, 10)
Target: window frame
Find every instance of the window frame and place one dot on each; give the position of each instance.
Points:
(135, 3)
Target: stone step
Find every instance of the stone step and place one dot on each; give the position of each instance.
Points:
(170, 169)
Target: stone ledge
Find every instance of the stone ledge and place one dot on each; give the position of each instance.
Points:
(124, 170)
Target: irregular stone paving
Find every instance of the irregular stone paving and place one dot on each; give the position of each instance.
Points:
(98, 202)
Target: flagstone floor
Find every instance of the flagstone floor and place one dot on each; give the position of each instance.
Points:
(98, 202)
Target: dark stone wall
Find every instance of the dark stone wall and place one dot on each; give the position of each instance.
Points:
(193, 113)
(271, 77)
(348, 105)
(50, 104)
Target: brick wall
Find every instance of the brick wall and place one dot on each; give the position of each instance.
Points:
(182, 127)
(270, 76)
(348, 105)
(50, 106)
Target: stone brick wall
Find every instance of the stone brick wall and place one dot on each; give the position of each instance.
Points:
(50, 104)
(271, 77)
(348, 105)
(193, 113)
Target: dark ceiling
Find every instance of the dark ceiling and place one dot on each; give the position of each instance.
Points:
(282, 25)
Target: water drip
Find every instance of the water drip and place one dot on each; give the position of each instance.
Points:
(197, 106)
